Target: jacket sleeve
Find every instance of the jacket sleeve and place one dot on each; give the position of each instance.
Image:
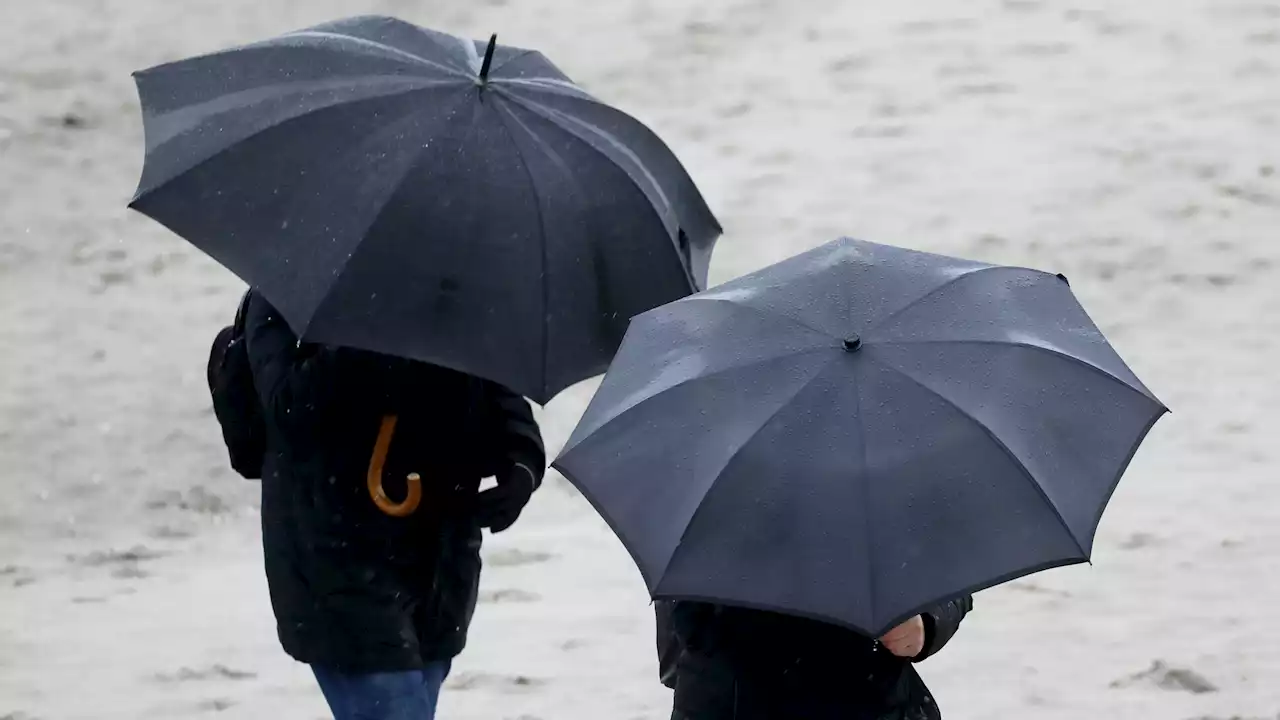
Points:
(294, 381)
(669, 647)
(514, 433)
(682, 624)
(941, 624)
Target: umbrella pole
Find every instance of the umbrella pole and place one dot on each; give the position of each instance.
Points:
(384, 503)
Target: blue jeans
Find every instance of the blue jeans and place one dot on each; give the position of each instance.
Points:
(408, 695)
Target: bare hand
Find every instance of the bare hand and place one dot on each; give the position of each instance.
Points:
(906, 640)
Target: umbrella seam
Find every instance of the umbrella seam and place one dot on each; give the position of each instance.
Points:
(562, 88)
(474, 63)
(1115, 482)
(568, 175)
(140, 194)
(703, 297)
(1031, 346)
(282, 90)
(967, 590)
(553, 116)
(870, 535)
(498, 66)
(542, 224)
(570, 90)
(912, 303)
(608, 519)
(342, 268)
(365, 42)
(557, 86)
(732, 456)
(686, 381)
(1000, 444)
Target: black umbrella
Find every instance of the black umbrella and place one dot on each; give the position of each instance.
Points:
(400, 190)
(858, 433)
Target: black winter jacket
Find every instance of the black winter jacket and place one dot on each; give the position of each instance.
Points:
(727, 663)
(353, 588)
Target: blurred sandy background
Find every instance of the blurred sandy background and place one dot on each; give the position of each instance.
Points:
(1132, 144)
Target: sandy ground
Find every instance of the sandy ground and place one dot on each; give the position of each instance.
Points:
(1133, 145)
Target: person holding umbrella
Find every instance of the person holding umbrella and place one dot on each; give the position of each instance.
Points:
(737, 664)
(845, 446)
(435, 229)
(378, 602)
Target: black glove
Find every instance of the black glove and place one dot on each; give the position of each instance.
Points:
(498, 507)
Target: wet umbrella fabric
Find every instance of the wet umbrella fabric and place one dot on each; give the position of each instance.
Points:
(397, 189)
(859, 432)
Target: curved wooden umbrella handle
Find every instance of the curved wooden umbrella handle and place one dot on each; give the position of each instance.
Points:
(384, 503)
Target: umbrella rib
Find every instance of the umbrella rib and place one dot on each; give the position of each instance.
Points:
(1030, 346)
(284, 121)
(705, 297)
(896, 313)
(715, 373)
(342, 269)
(241, 100)
(870, 535)
(469, 47)
(560, 121)
(570, 91)
(366, 43)
(510, 60)
(562, 88)
(729, 461)
(542, 224)
(999, 443)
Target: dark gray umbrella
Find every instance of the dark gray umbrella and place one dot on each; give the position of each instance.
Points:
(400, 190)
(858, 433)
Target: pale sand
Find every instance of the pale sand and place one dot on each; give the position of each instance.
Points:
(1134, 146)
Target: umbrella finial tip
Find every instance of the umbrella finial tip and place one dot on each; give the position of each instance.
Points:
(488, 58)
(853, 343)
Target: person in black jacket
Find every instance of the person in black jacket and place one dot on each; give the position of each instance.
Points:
(379, 605)
(729, 663)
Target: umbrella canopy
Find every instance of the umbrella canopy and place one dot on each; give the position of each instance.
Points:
(401, 190)
(858, 433)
